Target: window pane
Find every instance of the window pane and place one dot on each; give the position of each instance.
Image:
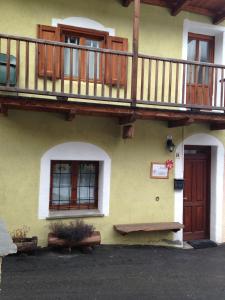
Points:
(65, 180)
(75, 67)
(65, 195)
(92, 56)
(61, 183)
(56, 180)
(87, 183)
(55, 194)
(191, 57)
(56, 168)
(192, 50)
(203, 74)
(65, 168)
(204, 51)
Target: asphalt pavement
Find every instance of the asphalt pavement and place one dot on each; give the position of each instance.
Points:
(117, 272)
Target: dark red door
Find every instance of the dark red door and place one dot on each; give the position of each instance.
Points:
(196, 192)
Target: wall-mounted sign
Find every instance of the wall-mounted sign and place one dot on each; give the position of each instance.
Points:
(159, 171)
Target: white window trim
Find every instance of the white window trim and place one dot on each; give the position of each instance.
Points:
(75, 151)
(83, 23)
(206, 29)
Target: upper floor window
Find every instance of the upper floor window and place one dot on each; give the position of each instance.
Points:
(200, 49)
(87, 63)
(200, 77)
(82, 64)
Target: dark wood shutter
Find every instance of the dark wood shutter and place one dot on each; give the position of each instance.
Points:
(45, 57)
(116, 66)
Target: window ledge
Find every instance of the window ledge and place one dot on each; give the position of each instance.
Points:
(74, 214)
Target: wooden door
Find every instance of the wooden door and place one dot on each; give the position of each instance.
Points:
(199, 78)
(196, 213)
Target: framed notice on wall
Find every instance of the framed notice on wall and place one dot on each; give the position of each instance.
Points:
(159, 171)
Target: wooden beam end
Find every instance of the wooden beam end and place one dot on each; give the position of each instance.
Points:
(70, 115)
(219, 18)
(217, 126)
(126, 3)
(127, 120)
(128, 131)
(4, 110)
(178, 7)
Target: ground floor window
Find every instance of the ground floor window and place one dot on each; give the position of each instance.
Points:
(74, 185)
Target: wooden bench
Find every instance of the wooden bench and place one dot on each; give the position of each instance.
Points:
(148, 227)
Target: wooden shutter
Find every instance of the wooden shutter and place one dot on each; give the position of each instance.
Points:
(46, 56)
(115, 64)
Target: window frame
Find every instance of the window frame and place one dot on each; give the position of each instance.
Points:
(74, 185)
(84, 34)
(201, 37)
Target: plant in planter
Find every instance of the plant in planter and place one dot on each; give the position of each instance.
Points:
(74, 234)
(24, 243)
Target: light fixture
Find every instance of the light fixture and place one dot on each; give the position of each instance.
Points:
(170, 146)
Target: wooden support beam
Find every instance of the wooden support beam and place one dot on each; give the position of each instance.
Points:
(127, 119)
(217, 126)
(70, 115)
(181, 122)
(219, 18)
(126, 3)
(136, 27)
(107, 110)
(128, 131)
(178, 7)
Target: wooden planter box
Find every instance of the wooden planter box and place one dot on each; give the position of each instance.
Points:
(27, 244)
(93, 240)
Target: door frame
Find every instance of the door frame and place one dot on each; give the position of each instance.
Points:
(217, 185)
(205, 29)
(207, 151)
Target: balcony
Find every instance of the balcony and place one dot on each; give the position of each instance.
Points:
(44, 75)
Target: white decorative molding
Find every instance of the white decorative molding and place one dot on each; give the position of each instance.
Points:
(84, 23)
(217, 176)
(75, 151)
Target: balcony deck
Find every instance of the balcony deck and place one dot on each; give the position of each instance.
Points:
(165, 86)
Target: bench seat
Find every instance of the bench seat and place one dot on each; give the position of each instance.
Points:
(148, 227)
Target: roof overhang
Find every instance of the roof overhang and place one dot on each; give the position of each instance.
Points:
(211, 8)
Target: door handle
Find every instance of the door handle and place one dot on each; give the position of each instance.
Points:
(185, 198)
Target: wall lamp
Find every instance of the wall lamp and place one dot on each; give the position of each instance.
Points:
(170, 146)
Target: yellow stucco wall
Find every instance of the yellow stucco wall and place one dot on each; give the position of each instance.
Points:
(26, 136)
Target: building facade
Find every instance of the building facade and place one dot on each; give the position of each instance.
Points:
(75, 143)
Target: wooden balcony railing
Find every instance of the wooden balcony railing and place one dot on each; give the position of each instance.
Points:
(67, 71)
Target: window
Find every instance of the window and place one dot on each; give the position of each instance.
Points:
(200, 78)
(74, 185)
(80, 59)
(200, 49)
(81, 64)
